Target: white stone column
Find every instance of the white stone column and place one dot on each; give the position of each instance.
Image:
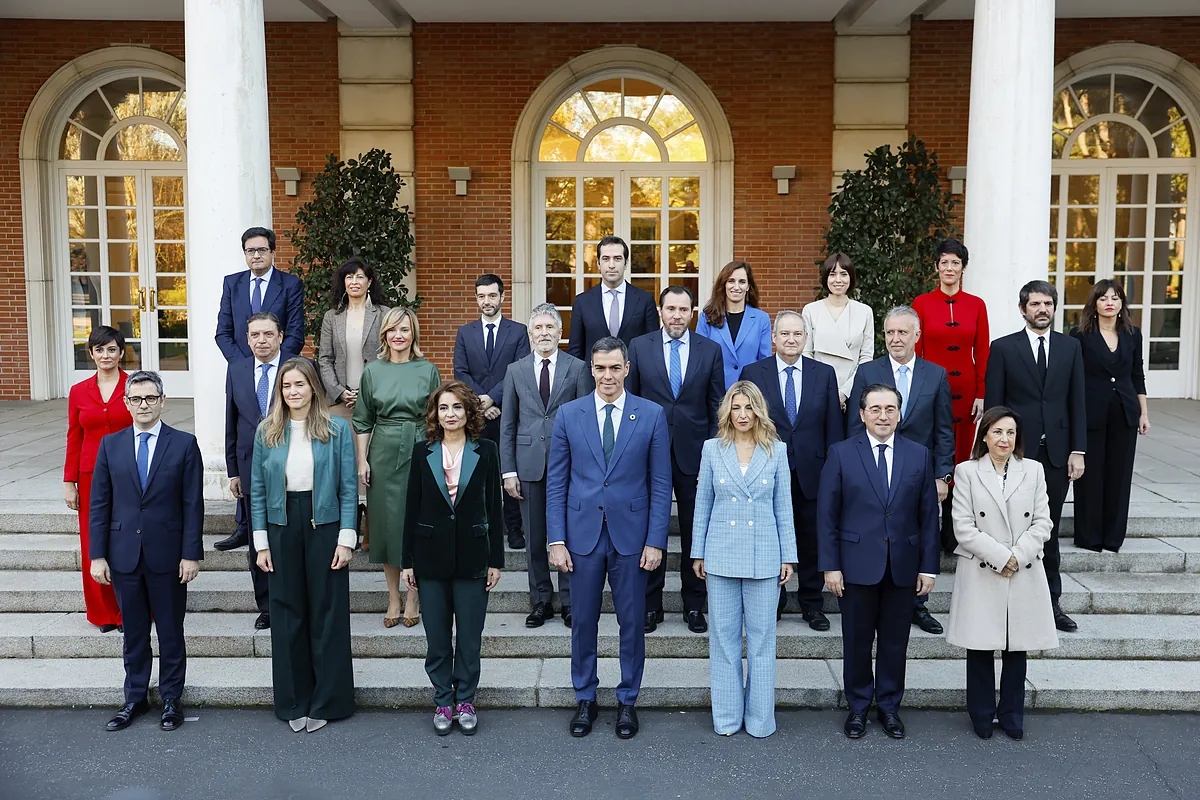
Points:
(1008, 153)
(229, 188)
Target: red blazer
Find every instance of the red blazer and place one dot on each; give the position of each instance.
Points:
(954, 335)
(90, 419)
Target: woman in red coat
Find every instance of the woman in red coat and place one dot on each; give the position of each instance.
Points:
(954, 335)
(95, 409)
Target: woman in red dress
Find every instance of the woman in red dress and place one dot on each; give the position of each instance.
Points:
(954, 335)
(95, 409)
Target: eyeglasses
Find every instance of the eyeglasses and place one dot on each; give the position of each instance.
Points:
(148, 400)
(257, 251)
(880, 411)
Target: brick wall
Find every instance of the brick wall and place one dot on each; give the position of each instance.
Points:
(302, 77)
(774, 82)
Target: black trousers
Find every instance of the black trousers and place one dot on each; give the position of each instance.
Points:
(146, 597)
(512, 506)
(311, 663)
(879, 614)
(262, 595)
(810, 581)
(1056, 487)
(453, 606)
(693, 590)
(981, 688)
(1102, 494)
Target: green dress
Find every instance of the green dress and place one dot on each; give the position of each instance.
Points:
(391, 407)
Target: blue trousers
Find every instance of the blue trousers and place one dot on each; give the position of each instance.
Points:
(732, 602)
(152, 598)
(628, 582)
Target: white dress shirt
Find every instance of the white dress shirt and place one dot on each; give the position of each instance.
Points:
(537, 379)
(1033, 342)
(616, 414)
(684, 349)
(889, 449)
(495, 330)
(266, 281)
(150, 444)
(606, 301)
(781, 367)
(896, 365)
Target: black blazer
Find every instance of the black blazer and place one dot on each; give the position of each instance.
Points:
(692, 417)
(445, 542)
(1057, 409)
(929, 421)
(1105, 372)
(589, 325)
(818, 425)
(471, 364)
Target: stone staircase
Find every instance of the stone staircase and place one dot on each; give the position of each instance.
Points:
(1138, 645)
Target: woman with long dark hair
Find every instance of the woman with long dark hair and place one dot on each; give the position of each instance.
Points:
(733, 319)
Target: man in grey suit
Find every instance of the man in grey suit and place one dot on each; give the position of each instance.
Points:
(534, 388)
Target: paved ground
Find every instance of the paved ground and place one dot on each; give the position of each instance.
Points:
(231, 754)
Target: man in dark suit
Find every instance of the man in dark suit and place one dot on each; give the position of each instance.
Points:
(535, 388)
(877, 524)
(926, 416)
(146, 522)
(614, 307)
(483, 349)
(1038, 373)
(802, 397)
(260, 288)
(249, 387)
(608, 504)
(685, 374)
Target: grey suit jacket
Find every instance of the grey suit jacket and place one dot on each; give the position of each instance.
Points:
(332, 356)
(525, 422)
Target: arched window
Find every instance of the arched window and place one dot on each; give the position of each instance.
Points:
(1124, 151)
(624, 156)
(121, 168)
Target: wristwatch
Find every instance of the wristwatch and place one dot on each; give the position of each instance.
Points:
(948, 478)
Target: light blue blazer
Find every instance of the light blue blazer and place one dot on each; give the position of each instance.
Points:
(753, 342)
(743, 524)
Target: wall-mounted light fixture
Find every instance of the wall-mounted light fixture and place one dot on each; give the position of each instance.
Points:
(460, 176)
(783, 177)
(291, 177)
(958, 179)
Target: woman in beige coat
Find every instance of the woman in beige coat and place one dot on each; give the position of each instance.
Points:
(1001, 599)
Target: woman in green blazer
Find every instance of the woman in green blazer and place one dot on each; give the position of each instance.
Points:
(453, 546)
(303, 507)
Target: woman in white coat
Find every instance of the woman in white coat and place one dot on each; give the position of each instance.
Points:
(841, 331)
(1001, 599)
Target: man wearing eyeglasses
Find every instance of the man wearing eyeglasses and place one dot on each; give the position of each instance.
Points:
(146, 520)
(260, 288)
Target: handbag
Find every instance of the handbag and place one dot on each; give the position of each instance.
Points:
(364, 528)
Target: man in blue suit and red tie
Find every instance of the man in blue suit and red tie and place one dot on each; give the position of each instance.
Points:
(877, 543)
(608, 502)
(146, 520)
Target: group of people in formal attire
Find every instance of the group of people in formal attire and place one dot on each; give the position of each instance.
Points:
(791, 453)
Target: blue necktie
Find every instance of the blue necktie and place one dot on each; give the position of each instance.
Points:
(883, 478)
(490, 347)
(902, 385)
(789, 395)
(676, 368)
(264, 389)
(143, 458)
(256, 297)
(610, 437)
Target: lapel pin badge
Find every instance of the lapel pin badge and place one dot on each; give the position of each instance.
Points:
(633, 416)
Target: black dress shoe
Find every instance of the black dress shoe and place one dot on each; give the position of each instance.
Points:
(1062, 621)
(126, 715)
(263, 622)
(566, 615)
(652, 620)
(925, 621)
(695, 621)
(172, 716)
(627, 722)
(983, 729)
(816, 620)
(585, 717)
(232, 541)
(109, 628)
(1014, 733)
(541, 612)
(891, 723)
(516, 540)
(856, 725)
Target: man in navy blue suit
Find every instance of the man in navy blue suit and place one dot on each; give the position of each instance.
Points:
(925, 412)
(260, 288)
(483, 349)
(146, 521)
(249, 387)
(613, 307)
(608, 503)
(685, 374)
(877, 543)
(802, 397)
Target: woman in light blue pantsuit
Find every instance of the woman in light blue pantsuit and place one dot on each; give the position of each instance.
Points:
(744, 547)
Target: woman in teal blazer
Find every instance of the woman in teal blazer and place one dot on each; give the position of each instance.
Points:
(733, 320)
(303, 508)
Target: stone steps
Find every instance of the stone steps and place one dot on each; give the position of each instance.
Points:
(1053, 684)
(232, 635)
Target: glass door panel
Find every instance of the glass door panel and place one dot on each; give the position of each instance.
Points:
(167, 281)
